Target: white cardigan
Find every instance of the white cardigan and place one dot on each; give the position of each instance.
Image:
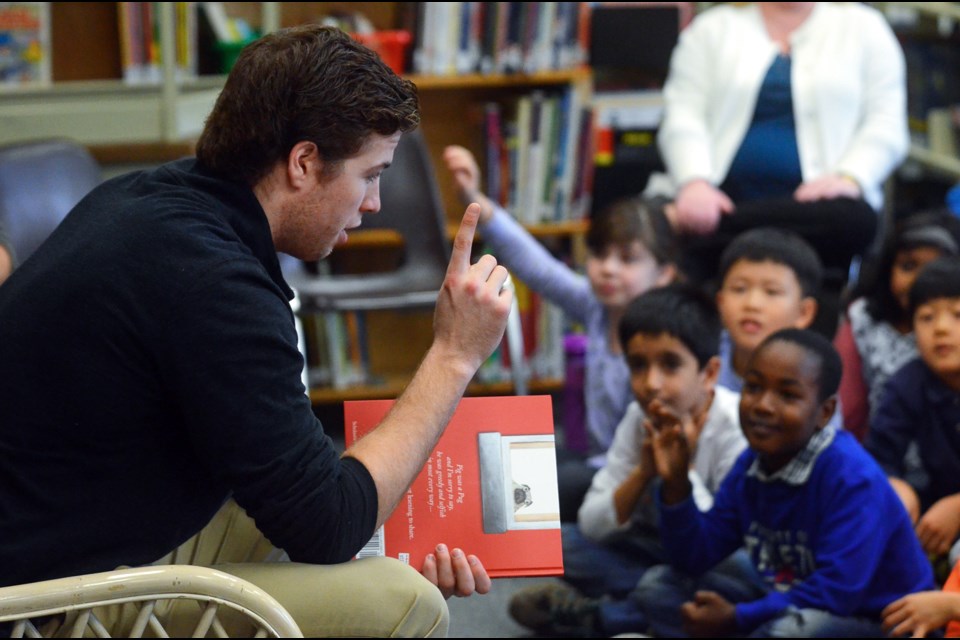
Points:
(720, 444)
(849, 95)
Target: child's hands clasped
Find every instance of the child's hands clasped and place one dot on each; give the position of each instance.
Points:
(709, 615)
(667, 435)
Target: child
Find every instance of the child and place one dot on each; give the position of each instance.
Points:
(631, 249)
(769, 280)
(670, 338)
(876, 336)
(921, 404)
(918, 614)
(829, 541)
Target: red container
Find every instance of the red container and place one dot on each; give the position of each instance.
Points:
(391, 46)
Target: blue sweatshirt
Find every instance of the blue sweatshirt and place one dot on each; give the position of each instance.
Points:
(833, 537)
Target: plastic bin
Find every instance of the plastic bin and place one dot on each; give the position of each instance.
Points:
(391, 46)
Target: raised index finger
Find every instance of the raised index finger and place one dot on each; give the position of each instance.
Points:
(463, 242)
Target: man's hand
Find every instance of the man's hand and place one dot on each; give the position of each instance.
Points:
(6, 264)
(455, 573)
(473, 305)
(939, 527)
(709, 615)
(466, 179)
(698, 207)
(826, 188)
(917, 614)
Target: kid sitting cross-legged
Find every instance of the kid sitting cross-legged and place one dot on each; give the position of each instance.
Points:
(830, 542)
(921, 404)
(670, 338)
(631, 249)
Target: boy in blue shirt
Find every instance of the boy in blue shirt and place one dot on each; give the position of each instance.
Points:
(830, 542)
(921, 403)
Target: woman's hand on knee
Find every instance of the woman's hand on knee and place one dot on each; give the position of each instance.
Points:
(455, 573)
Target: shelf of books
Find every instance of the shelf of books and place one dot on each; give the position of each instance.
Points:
(342, 364)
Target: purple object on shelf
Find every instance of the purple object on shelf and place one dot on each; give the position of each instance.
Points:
(574, 409)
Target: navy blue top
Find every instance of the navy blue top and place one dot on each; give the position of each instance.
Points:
(767, 165)
(917, 405)
(832, 535)
(149, 371)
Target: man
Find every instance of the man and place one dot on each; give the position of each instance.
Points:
(151, 369)
(7, 259)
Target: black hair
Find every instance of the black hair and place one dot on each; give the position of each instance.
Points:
(938, 279)
(680, 310)
(780, 246)
(631, 219)
(814, 343)
(937, 228)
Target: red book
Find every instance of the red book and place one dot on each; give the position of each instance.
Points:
(489, 487)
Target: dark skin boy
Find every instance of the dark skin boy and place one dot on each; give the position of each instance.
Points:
(780, 411)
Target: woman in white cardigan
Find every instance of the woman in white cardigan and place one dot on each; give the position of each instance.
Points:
(783, 101)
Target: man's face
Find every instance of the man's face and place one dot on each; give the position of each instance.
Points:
(759, 298)
(337, 201)
(663, 368)
(936, 325)
(779, 409)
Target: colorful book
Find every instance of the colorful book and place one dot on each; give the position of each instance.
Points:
(24, 44)
(489, 487)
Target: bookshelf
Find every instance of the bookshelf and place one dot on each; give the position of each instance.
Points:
(142, 124)
(927, 30)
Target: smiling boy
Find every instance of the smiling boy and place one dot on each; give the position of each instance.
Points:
(670, 339)
(816, 514)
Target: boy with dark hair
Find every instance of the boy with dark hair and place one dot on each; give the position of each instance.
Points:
(815, 513)
(921, 404)
(769, 280)
(670, 337)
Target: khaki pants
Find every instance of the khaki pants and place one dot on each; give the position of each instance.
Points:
(374, 597)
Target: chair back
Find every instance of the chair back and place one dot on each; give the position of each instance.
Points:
(40, 181)
(411, 206)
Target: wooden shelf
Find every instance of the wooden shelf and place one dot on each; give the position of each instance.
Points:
(394, 386)
(946, 165)
(388, 239)
(493, 81)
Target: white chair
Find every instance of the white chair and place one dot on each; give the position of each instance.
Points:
(30, 610)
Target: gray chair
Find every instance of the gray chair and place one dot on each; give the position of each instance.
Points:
(410, 205)
(40, 181)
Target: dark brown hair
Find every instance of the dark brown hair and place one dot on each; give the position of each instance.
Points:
(307, 83)
(630, 219)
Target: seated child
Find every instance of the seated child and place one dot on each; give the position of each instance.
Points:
(921, 404)
(670, 337)
(631, 249)
(918, 614)
(875, 337)
(830, 543)
(769, 280)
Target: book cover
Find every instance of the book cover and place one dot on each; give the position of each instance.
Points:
(489, 487)
(24, 44)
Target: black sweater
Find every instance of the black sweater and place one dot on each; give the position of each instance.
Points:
(148, 370)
